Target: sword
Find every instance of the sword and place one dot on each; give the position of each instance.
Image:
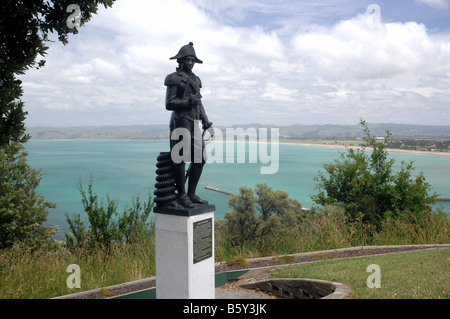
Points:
(211, 134)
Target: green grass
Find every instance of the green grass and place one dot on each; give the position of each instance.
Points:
(415, 275)
(43, 273)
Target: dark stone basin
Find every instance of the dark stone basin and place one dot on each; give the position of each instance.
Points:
(300, 288)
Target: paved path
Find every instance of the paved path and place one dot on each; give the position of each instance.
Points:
(225, 293)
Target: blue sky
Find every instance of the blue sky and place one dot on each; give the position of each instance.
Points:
(269, 62)
(273, 14)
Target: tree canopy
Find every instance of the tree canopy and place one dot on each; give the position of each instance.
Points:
(25, 26)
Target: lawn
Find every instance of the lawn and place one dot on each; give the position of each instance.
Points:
(414, 275)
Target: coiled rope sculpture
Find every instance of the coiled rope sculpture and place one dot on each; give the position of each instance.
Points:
(165, 186)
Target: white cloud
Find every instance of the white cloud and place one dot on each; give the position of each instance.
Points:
(437, 4)
(113, 71)
(278, 93)
(352, 55)
(354, 49)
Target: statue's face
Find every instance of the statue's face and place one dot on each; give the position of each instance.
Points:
(188, 63)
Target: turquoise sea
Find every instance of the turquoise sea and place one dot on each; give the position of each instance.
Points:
(126, 168)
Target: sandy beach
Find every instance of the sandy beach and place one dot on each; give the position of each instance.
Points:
(390, 150)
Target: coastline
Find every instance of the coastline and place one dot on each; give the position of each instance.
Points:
(391, 150)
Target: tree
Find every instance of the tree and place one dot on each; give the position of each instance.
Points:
(277, 202)
(366, 183)
(25, 26)
(255, 216)
(242, 222)
(22, 210)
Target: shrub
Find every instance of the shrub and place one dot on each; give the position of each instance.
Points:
(367, 185)
(254, 217)
(106, 225)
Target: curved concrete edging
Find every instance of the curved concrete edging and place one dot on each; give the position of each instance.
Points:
(341, 291)
(419, 247)
(80, 295)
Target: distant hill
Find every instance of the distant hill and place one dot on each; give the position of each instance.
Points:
(100, 132)
(161, 131)
(355, 131)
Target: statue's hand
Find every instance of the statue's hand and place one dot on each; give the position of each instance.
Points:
(207, 125)
(211, 136)
(193, 101)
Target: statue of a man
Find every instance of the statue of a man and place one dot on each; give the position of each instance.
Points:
(183, 98)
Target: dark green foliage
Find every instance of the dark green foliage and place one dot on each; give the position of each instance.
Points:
(366, 183)
(242, 222)
(24, 29)
(22, 210)
(254, 217)
(25, 26)
(12, 127)
(133, 221)
(106, 225)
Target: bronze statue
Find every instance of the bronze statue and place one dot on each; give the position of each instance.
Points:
(183, 98)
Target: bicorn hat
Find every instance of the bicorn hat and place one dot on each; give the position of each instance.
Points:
(187, 50)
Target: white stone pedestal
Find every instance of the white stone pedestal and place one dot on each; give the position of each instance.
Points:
(185, 254)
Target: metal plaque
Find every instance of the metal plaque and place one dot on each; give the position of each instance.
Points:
(203, 241)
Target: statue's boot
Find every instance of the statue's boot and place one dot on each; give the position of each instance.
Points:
(195, 171)
(183, 199)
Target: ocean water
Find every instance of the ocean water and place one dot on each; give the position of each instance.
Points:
(124, 169)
